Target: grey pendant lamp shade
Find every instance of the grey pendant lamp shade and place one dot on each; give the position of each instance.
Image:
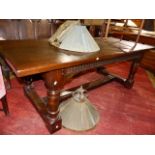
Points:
(74, 37)
(78, 113)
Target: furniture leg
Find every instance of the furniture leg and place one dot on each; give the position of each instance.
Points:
(6, 72)
(133, 69)
(54, 83)
(48, 108)
(5, 105)
(53, 110)
(128, 83)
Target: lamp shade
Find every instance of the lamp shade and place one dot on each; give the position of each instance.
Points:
(72, 36)
(78, 39)
(78, 113)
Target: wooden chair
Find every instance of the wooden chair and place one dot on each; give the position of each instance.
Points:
(3, 95)
(125, 29)
(95, 26)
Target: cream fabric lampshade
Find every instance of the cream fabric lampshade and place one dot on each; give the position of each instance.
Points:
(76, 38)
(78, 113)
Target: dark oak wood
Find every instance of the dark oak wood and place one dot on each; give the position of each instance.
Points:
(147, 37)
(28, 58)
(5, 105)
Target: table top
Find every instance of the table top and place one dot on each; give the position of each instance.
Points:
(28, 57)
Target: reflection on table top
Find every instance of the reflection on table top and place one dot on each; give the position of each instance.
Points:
(28, 57)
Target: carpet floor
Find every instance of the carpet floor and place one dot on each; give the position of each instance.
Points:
(122, 111)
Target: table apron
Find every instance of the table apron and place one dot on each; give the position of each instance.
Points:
(92, 65)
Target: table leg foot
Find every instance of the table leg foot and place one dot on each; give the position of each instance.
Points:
(128, 84)
(55, 125)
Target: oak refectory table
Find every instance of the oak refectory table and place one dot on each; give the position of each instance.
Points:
(29, 58)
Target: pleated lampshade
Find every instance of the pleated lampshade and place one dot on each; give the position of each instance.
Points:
(74, 37)
(79, 39)
(78, 113)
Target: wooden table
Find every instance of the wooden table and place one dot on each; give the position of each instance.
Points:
(147, 37)
(28, 58)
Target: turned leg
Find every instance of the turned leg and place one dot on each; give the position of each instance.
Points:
(5, 105)
(47, 108)
(53, 110)
(133, 69)
(54, 84)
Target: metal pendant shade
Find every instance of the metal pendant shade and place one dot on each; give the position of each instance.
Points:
(72, 36)
(78, 113)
